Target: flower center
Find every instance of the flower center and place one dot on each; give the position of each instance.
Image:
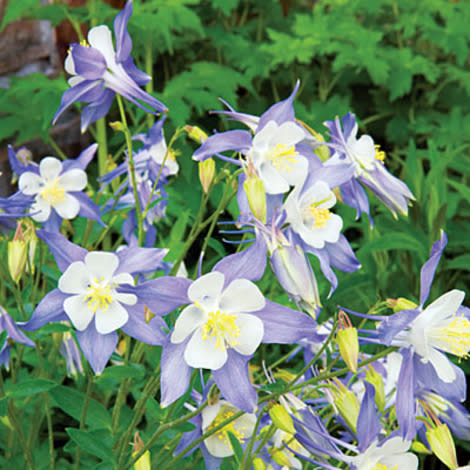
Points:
(222, 326)
(99, 295)
(454, 337)
(381, 466)
(379, 154)
(282, 157)
(52, 192)
(222, 434)
(321, 216)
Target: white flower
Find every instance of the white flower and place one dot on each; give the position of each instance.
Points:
(51, 188)
(309, 215)
(93, 284)
(217, 320)
(392, 454)
(275, 158)
(242, 428)
(438, 328)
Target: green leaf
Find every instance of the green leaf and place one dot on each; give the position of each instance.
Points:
(225, 6)
(16, 9)
(93, 442)
(30, 387)
(393, 241)
(71, 402)
(463, 189)
(236, 447)
(3, 406)
(129, 371)
(461, 262)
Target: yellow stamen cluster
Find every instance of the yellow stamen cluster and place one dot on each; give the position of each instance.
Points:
(282, 157)
(379, 154)
(52, 192)
(222, 434)
(99, 296)
(381, 466)
(221, 325)
(84, 43)
(455, 336)
(321, 216)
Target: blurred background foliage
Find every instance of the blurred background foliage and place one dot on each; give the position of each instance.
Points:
(402, 67)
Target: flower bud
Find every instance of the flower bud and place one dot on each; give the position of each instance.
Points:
(401, 304)
(195, 133)
(347, 341)
(281, 418)
(281, 458)
(69, 350)
(258, 464)
(117, 126)
(322, 151)
(346, 403)
(294, 273)
(256, 195)
(442, 444)
(17, 256)
(374, 378)
(144, 460)
(206, 173)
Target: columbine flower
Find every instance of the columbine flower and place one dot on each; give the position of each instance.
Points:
(13, 334)
(91, 295)
(272, 151)
(99, 71)
(226, 320)
(369, 168)
(55, 188)
(309, 215)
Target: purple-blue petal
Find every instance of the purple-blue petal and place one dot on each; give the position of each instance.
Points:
(233, 380)
(97, 109)
(139, 77)
(236, 140)
(368, 424)
(405, 400)
(391, 326)
(13, 331)
(123, 39)
(89, 62)
(136, 260)
(88, 208)
(150, 332)
(82, 161)
(64, 251)
(97, 348)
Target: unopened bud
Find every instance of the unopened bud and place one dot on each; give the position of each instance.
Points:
(401, 304)
(117, 126)
(256, 195)
(346, 403)
(206, 173)
(144, 460)
(348, 342)
(195, 133)
(17, 256)
(148, 314)
(281, 458)
(375, 379)
(322, 151)
(281, 418)
(258, 464)
(442, 444)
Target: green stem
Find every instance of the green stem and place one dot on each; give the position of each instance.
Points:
(56, 148)
(89, 389)
(138, 209)
(102, 145)
(245, 464)
(50, 433)
(149, 72)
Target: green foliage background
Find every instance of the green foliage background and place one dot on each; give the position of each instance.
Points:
(402, 67)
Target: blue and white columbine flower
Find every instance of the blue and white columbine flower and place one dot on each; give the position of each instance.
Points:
(100, 71)
(91, 294)
(55, 188)
(369, 169)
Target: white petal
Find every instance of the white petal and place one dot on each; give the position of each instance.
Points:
(128, 299)
(264, 136)
(207, 289)
(443, 307)
(274, 182)
(200, 353)
(111, 319)
(189, 319)
(298, 171)
(29, 183)
(43, 209)
(210, 412)
(68, 208)
(69, 65)
(364, 151)
(406, 461)
(72, 81)
(123, 278)
(442, 365)
(100, 38)
(319, 194)
(218, 447)
(311, 237)
(50, 168)
(241, 296)
(251, 333)
(75, 279)
(289, 133)
(73, 180)
(77, 310)
(101, 264)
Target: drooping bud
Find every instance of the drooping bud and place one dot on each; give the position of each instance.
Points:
(144, 460)
(294, 273)
(347, 341)
(17, 254)
(117, 126)
(69, 350)
(281, 418)
(375, 379)
(281, 458)
(401, 304)
(206, 173)
(258, 464)
(442, 444)
(346, 403)
(256, 195)
(195, 133)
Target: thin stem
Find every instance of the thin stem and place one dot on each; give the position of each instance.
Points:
(50, 433)
(56, 148)
(89, 389)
